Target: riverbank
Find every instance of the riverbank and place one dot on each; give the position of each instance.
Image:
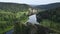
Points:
(6, 30)
(10, 31)
(47, 24)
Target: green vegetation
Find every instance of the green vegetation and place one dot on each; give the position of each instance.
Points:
(10, 13)
(14, 15)
(6, 21)
(51, 24)
(21, 18)
(51, 18)
(51, 14)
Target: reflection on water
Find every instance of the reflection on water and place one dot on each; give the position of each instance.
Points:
(32, 19)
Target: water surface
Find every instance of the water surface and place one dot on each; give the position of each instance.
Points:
(32, 19)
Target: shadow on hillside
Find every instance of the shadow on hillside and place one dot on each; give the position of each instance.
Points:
(29, 28)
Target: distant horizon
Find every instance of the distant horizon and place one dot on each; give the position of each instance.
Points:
(28, 4)
(31, 2)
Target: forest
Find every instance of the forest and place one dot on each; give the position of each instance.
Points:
(14, 16)
(11, 12)
(50, 18)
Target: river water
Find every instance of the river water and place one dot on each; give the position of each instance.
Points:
(32, 19)
(10, 32)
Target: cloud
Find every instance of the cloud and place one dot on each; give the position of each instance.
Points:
(31, 1)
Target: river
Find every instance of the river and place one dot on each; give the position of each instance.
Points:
(32, 19)
(10, 32)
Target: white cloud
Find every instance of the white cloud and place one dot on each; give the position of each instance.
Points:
(31, 1)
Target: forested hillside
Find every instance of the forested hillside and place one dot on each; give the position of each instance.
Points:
(51, 14)
(48, 6)
(13, 7)
(10, 12)
(50, 18)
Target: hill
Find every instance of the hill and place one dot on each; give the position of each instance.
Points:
(10, 13)
(51, 14)
(13, 7)
(48, 6)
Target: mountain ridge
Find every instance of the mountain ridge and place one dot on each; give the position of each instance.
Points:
(48, 6)
(13, 6)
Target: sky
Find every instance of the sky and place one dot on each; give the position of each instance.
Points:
(35, 2)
